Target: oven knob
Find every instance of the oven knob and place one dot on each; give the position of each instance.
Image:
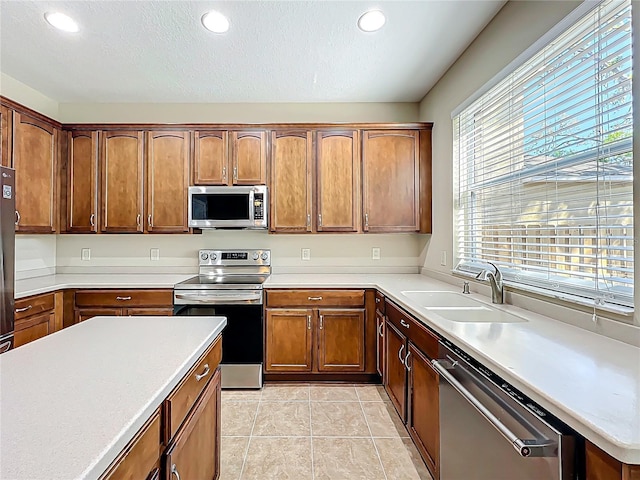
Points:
(255, 255)
(204, 256)
(214, 256)
(264, 256)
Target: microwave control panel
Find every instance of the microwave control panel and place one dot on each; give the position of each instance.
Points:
(258, 206)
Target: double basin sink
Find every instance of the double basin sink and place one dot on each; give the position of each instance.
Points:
(458, 307)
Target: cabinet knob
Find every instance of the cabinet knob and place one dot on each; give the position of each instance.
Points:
(404, 324)
(366, 220)
(17, 217)
(149, 221)
(204, 373)
(174, 471)
(308, 219)
(92, 220)
(400, 353)
(224, 174)
(235, 173)
(406, 361)
(308, 322)
(314, 298)
(319, 219)
(28, 307)
(321, 322)
(138, 220)
(123, 299)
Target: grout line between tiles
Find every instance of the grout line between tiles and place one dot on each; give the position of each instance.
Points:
(384, 472)
(313, 472)
(246, 451)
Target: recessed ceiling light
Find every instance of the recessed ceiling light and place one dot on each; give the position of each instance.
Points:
(371, 21)
(215, 21)
(61, 22)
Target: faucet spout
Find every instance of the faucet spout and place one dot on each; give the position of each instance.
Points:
(495, 280)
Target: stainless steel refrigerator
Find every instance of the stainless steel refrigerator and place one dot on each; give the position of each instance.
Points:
(7, 259)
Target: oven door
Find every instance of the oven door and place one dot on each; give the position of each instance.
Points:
(221, 207)
(242, 343)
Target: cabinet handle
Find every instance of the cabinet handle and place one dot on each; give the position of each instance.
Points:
(149, 221)
(380, 329)
(138, 220)
(235, 173)
(400, 353)
(314, 298)
(377, 300)
(308, 219)
(308, 322)
(366, 220)
(174, 471)
(406, 361)
(92, 220)
(204, 373)
(319, 219)
(404, 324)
(17, 217)
(224, 174)
(123, 298)
(321, 321)
(20, 310)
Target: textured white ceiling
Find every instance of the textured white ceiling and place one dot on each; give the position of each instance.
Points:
(275, 51)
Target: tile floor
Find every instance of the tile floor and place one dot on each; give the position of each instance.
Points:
(332, 432)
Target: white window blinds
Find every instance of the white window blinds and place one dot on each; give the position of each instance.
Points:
(544, 165)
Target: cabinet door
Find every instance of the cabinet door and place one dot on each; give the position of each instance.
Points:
(396, 373)
(390, 181)
(34, 158)
(380, 344)
(288, 340)
(122, 182)
(82, 181)
(34, 327)
(423, 421)
(211, 156)
(83, 314)
(6, 134)
(341, 340)
(291, 205)
(337, 181)
(195, 451)
(167, 182)
(249, 158)
(148, 312)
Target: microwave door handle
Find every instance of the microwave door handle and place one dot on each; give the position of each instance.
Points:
(252, 212)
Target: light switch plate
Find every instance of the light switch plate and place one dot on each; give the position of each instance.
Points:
(155, 254)
(375, 253)
(86, 254)
(305, 254)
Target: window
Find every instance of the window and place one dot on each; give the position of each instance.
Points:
(544, 165)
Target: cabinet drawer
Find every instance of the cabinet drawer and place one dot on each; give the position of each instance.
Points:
(124, 298)
(25, 307)
(183, 397)
(421, 337)
(141, 455)
(312, 298)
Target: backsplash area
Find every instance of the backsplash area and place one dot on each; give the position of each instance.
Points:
(35, 255)
(178, 253)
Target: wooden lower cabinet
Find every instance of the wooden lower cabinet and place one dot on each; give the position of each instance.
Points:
(423, 408)
(602, 466)
(33, 327)
(396, 372)
(341, 340)
(194, 453)
(127, 302)
(380, 334)
(288, 340)
(87, 313)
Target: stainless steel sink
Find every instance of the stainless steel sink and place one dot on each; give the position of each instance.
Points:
(431, 299)
(476, 315)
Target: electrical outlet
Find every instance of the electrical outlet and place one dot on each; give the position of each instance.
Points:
(305, 254)
(155, 254)
(86, 254)
(375, 253)
(443, 258)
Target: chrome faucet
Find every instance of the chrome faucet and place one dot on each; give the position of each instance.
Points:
(495, 280)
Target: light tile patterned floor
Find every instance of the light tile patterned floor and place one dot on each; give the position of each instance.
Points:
(329, 432)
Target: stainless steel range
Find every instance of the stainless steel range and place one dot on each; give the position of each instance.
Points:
(229, 283)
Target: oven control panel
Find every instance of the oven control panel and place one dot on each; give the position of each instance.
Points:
(234, 257)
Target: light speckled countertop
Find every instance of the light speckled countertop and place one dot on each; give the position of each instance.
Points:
(589, 381)
(72, 401)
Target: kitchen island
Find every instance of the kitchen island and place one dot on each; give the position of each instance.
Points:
(73, 402)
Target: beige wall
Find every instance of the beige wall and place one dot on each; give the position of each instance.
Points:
(35, 255)
(238, 112)
(517, 26)
(27, 96)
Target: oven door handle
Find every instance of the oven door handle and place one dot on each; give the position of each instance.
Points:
(213, 299)
(526, 448)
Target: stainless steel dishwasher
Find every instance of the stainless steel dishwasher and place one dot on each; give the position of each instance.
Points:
(491, 431)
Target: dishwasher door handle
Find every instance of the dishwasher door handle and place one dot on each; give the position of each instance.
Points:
(525, 448)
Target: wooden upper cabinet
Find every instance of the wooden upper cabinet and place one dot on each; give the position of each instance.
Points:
(391, 180)
(337, 181)
(291, 193)
(34, 158)
(82, 182)
(6, 133)
(249, 158)
(122, 181)
(167, 181)
(211, 156)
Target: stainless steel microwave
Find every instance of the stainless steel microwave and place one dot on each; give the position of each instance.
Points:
(228, 207)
